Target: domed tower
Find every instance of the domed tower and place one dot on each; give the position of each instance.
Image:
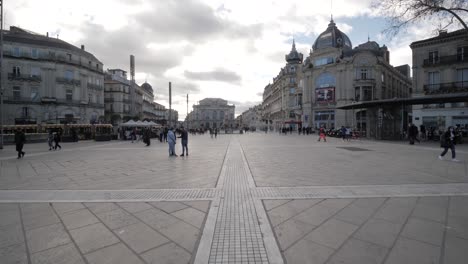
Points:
(294, 56)
(332, 37)
(147, 87)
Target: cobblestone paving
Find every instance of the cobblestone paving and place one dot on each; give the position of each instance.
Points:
(124, 203)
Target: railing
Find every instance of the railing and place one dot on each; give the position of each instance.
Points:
(95, 87)
(68, 81)
(57, 57)
(445, 88)
(23, 77)
(445, 60)
(19, 99)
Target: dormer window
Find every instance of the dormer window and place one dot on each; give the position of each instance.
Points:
(462, 53)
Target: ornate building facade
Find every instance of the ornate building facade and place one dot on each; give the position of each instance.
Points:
(332, 84)
(440, 69)
(48, 80)
(282, 99)
(211, 113)
(116, 96)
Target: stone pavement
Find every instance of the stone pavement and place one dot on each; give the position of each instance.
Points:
(334, 202)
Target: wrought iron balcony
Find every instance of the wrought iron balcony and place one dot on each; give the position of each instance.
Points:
(446, 88)
(442, 60)
(62, 80)
(95, 87)
(23, 77)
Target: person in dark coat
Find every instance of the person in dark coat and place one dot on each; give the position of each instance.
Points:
(20, 138)
(184, 137)
(447, 141)
(413, 133)
(57, 140)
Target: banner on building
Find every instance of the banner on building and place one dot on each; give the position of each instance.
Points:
(325, 95)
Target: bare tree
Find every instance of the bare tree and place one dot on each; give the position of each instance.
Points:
(402, 13)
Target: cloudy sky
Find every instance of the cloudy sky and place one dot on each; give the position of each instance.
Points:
(207, 48)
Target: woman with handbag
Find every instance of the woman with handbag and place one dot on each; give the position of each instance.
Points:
(447, 141)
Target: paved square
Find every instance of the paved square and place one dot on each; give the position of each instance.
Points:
(253, 198)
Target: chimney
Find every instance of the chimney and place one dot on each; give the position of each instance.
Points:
(82, 47)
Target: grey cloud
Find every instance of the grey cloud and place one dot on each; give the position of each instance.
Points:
(243, 106)
(221, 75)
(114, 49)
(191, 20)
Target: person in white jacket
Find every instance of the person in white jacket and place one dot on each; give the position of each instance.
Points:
(171, 140)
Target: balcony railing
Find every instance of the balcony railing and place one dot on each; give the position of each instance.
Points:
(95, 87)
(23, 77)
(68, 81)
(445, 88)
(451, 59)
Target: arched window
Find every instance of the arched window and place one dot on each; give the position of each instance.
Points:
(325, 80)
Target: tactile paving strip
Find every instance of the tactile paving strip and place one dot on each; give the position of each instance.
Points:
(109, 195)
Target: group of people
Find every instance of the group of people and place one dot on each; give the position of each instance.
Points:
(172, 140)
(53, 139)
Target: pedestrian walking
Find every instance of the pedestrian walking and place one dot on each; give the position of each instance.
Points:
(447, 141)
(348, 133)
(20, 138)
(57, 139)
(50, 140)
(322, 134)
(422, 129)
(413, 134)
(147, 136)
(171, 141)
(216, 132)
(184, 137)
(343, 133)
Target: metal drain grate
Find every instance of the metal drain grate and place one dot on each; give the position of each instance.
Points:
(354, 149)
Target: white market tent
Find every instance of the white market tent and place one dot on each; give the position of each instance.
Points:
(132, 123)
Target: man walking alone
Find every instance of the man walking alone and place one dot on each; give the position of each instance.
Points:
(20, 138)
(171, 140)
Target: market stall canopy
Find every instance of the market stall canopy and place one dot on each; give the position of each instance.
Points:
(129, 123)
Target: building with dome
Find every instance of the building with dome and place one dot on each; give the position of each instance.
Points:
(47, 80)
(334, 77)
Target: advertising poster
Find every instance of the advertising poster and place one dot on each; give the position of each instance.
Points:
(325, 95)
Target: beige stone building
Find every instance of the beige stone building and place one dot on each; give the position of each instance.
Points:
(440, 76)
(48, 80)
(338, 76)
(211, 113)
(252, 119)
(282, 99)
(116, 96)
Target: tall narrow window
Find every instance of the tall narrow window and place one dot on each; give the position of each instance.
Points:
(462, 78)
(34, 94)
(16, 71)
(16, 93)
(434, 57)
(69, 94)
(69, 57)
(25, 112)
(433, 80)
(462, 53)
